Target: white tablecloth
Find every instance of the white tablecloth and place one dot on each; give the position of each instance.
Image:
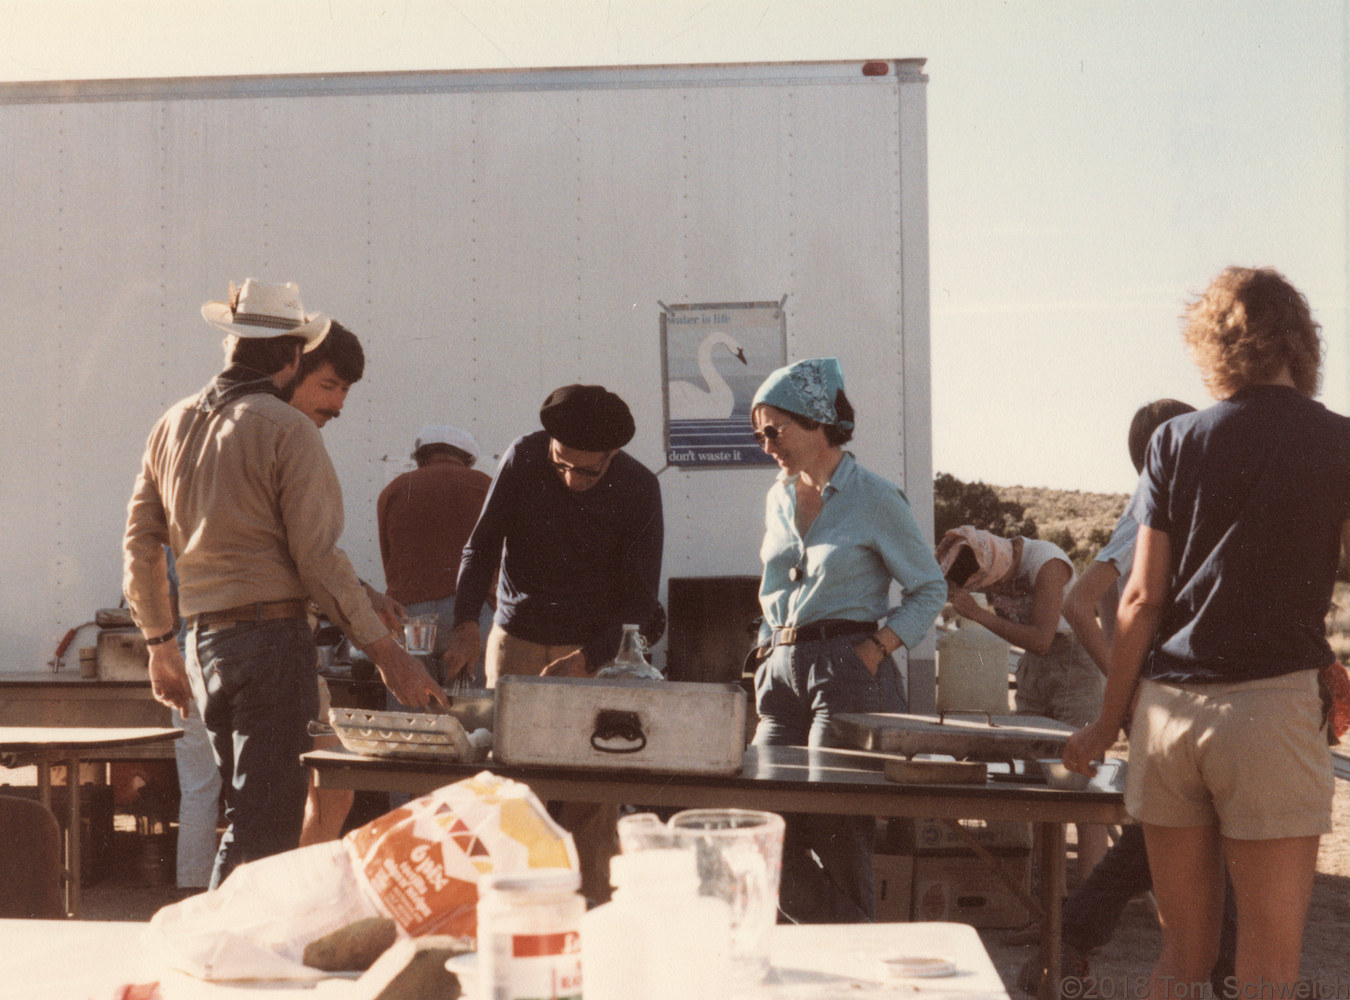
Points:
(87, 960)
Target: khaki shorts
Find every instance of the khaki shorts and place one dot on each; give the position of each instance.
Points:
(507, 655)
(1250, 758)
(1064, 684)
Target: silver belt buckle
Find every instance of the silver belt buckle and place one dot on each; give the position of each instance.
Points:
(786, 636)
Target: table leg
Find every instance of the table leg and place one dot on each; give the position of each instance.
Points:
(73, 836)
(1050, 843)
(44, 779)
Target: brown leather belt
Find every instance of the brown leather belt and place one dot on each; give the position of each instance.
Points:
(788, 635)
(249, 614)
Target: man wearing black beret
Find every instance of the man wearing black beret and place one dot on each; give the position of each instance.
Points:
(574, 525)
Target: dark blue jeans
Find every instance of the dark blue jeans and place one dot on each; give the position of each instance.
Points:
(257, 689)
(1093, 910)
(797, 690)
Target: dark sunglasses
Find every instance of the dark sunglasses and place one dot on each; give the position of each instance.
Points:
(769, 432)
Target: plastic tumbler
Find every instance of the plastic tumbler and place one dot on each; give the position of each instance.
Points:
(419, 634)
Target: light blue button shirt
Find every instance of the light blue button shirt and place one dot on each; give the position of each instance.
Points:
(864, 537)
(1119, 551)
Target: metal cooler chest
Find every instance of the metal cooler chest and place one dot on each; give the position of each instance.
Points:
(656, 726)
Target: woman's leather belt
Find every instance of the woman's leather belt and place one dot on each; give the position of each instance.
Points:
(788, 635)
(248, 614)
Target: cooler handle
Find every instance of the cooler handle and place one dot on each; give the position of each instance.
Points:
(611, 724)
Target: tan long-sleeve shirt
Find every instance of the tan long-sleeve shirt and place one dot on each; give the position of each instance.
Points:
(239, 485)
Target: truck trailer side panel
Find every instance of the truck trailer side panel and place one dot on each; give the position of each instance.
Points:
(489, 236)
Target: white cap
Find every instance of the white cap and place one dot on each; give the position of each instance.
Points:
(663, 870)
(455, 437)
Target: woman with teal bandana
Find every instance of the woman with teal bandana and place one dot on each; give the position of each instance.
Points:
(835, 537)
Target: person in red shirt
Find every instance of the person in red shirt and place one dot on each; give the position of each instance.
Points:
(425, 516)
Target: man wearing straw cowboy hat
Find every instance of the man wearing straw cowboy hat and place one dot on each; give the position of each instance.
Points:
(238, 484)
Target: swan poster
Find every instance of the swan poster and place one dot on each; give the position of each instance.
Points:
(715, 356)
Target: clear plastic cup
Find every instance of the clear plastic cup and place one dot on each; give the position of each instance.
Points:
(740, 860)
(419, 634)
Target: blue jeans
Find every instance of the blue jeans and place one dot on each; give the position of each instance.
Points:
(1093, 910)
(257, 689)
(797, 690)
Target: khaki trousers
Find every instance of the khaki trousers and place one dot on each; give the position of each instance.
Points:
(593, 825)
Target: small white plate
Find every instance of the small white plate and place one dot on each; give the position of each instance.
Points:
(919, 967)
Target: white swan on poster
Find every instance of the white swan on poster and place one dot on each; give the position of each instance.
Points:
(690, 402)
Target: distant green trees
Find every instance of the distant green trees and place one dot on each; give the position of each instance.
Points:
(1081, 551)
(956, 503)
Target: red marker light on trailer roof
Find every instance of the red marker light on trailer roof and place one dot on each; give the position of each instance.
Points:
(876, 68)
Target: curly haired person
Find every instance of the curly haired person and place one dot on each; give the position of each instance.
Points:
(1244, 509)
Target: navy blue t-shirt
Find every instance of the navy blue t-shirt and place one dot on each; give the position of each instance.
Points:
(1252, 492)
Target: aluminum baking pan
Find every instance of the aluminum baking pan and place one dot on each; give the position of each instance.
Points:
(404, 734)
(963, 735)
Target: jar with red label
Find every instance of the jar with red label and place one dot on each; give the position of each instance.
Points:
(529, 935)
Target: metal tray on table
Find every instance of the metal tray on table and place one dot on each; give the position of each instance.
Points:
(404, 734)
(964, 735)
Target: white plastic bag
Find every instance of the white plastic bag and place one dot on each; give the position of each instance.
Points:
(256, 925)
(418, 864)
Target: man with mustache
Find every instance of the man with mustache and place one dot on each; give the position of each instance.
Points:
(327, 374)
(325, 377)
(238, 484)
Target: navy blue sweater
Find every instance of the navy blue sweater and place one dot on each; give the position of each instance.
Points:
(574, 566)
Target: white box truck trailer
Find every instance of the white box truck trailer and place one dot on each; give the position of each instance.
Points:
(671, 232)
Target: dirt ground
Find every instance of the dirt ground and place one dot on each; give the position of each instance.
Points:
(1133, 950)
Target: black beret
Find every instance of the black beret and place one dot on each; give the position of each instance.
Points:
(587, 417)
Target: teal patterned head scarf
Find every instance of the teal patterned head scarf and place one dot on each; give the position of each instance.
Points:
(808, 389)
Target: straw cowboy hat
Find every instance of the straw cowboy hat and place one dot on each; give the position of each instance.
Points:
(259, 309)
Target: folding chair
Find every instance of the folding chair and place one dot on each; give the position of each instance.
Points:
(31, 871)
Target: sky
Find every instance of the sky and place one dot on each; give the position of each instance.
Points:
(1091, 165)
